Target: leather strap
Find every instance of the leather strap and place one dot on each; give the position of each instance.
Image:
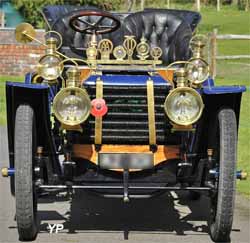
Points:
(151, 112)
(98, 120)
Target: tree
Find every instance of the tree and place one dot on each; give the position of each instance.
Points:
(218, 5)
(243, 5)
(28, 7)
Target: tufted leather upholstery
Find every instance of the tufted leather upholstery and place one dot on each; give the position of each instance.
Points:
(191, 17)
(169, 29)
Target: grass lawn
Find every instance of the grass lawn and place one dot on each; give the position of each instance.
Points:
(228, 21)
(231, 72)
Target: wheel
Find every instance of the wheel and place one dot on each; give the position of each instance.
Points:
(222, 202)
(26, 201)
(104, 22)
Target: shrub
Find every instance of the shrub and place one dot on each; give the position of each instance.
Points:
(30, 9)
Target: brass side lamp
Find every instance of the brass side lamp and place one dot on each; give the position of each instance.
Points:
(49, 66)
(198, 70)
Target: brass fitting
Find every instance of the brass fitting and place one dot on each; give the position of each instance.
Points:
(4, 172)
(51, 43)
(73, 79)
(198, 49)
(181, 75)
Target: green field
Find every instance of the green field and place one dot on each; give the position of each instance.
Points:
(228, 21)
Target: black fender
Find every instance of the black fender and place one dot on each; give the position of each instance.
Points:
(206, 128)
(37, 96)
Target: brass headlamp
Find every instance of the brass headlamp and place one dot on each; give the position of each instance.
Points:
(72, 104)
(183, 105)
(198, 70)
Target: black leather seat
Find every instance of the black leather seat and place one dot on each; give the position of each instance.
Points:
(165, 30)
(169, 29)
(191, 17)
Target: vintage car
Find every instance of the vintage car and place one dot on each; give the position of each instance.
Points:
(122, 105)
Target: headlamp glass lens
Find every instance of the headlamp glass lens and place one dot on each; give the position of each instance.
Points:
(72, 106)
(183, 106)
(49, 67)
(198, 71)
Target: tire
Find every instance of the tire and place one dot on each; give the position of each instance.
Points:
(222, 203)
(26, 201)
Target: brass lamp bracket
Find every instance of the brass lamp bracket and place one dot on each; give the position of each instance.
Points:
(179, 128)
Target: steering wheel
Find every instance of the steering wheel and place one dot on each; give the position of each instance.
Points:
(106, 22)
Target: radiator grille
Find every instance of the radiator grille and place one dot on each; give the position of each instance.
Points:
(127, 119)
